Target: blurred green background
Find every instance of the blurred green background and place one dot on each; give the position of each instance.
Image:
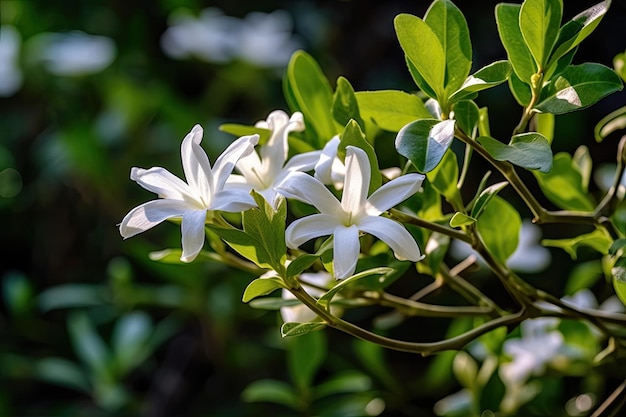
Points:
(89, 325)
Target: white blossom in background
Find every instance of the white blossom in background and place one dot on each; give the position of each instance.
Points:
(262, 39)
(301, 313)
(265, 170)
(72, 53)
(10, 73)
(355, 213)
(204, 191)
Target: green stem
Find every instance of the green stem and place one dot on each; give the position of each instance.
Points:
(403, 217)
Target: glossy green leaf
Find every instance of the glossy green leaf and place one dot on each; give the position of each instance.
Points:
(508, 18)
(298, 329)
(619, 279)
(244, 130)
(423, 48)
(584, 163)
(353, 136)
(597, 240)
(391, 110)
(540, 21)
(543, 124)
(307, 90)
(616, 246)
(261, 286)
(268, 226)
(577, 87)
(326, 299)
(527, 150)
(499, 228)
(129, 339)
(419, 80)
(564, 185)
(619, 64)
(305, 355)
(612, 122)
(461, 219)
(489, 76)
(485, 197)
(467, 116)
(520, 90)
(272, 391)
(450, 27)
(345, 106)
(577, 29)
(583, 275)
(445, 176)
(425, 142)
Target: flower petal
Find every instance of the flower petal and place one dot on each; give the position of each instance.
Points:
(310, 227)
(323, 168)
(192, 230)
(394, 235)
(196, 164)
(393, 193)
(226, 161)
(357, 180)
(162, 182)
(149, 214)
(251, 168)
(346, 248)
(305, 188)
(232, 200)
(303, 162)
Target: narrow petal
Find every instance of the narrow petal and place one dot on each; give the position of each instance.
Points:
(394, 235)
(232, 200)
(225, 163)
(303, 162)
(393, 193)
(196, 164)
(310, 227)
(346, 248)
(192, 229)
(162, 182)
(149, 214)
(251, 168)
(305, 188)
(323, 168)
(357, 180)
(274, 152)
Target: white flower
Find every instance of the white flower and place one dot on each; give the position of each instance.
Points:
(329, 169)
(203, 191)
(301, 313)
(73, 53)
(265, 171)
(10, 74)
(355, 213)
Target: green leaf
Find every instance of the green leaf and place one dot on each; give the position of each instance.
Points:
(445, 176)
(73, 295)
(272, 391)
(577, 29)
(345, 105)
(583, 275)
(520, 90)
(461, 219)
(129, 338)
(467, 116)
(245, 245)
(577, 87)
(423, 49)
(619, 63)
(17, 292)
(307, 90)
(527, 150)
(389, 109)
(425, 142)
(616, 246)
(268, 227)
(597, 240)
(326, 299)
(583, 162)
(353, 135)
(419, 80)
(540, 21)
(273, 303)
(619, 279)
(298, 329)
(305, 355)
(490, 76)
(499, 227)
(88, 345)
(465, 369)
(450, 27)
(485, 197)
(614, 121)
(564, 185)
(62, 372)
(261, 286)
(507, 18)
(244, 130)
(343, 382)
(544, 125)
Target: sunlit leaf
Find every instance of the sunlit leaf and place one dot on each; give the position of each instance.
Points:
(485, 196)
(389, 109)
(272, 391)
(261, 286)
(487, 77)
(499, 227)
(425, 142)
(298, 329)
(527, 150)
(564, 184)
(445, 176)
(353, 136)
(467, 116)
(461, 219)
(612, 122)
(540, 21)
(305, 355)
(597, 240)
(345, 105)
(507, 18)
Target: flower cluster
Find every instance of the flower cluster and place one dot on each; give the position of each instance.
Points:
(270, 174)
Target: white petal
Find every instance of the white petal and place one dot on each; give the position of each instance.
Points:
(251, 168)
(308, 228)
(274, 152)
(232, 200)
(357, 180)
(192, 229)
(394, 235)
(305, 188)
(393, 193)
(303, 162)
(225, 163)
(346, 248)
(323, 168)
(196, 164)
(162, 182)
(149, 214)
